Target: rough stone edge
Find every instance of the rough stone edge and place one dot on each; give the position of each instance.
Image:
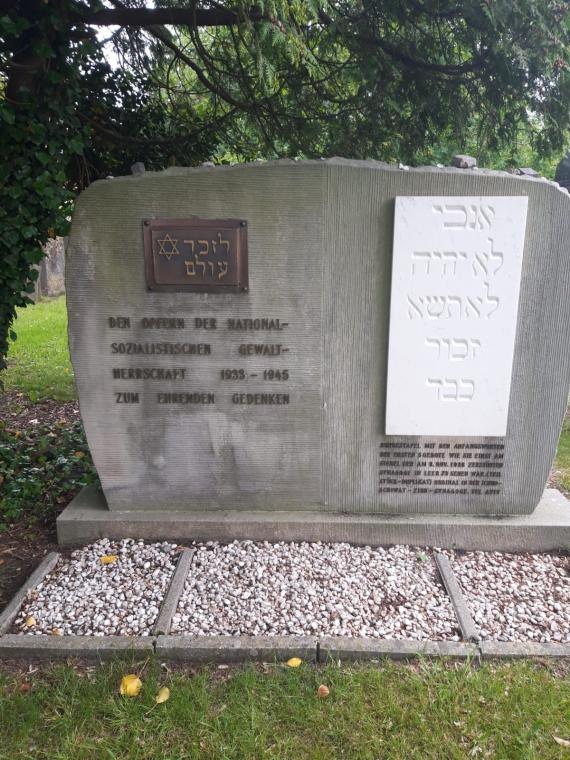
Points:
(469, 630)
(332, 161)
(13, 607)
(22, 646)
(517, 649)
(172, 596)
(230, 649)
(352, 649)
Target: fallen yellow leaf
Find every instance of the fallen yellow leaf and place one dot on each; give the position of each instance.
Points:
(56, 632)
(294, 662)
(562, 742)
(130, 685)
(323, 691)
(163, 695)
(108, 559)
(30, 622)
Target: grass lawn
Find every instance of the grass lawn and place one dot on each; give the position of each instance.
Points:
(38, 361)
(387, 711)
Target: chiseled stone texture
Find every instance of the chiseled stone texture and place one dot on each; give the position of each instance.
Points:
(320, 247)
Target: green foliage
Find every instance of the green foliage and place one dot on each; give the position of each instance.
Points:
(41, 470)
(398, 81)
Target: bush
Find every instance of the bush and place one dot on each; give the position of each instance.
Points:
(41, 470)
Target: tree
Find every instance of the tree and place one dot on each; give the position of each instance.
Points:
(388, 79)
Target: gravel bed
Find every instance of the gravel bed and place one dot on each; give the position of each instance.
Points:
(82, 596)
(516, 597)
(314, 589)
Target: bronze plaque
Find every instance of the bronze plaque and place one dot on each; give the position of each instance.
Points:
(204, 255)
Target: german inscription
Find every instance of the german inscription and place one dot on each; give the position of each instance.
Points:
(455, 291)
(208, 255)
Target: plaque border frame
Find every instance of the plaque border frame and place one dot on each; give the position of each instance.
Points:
(159, 224)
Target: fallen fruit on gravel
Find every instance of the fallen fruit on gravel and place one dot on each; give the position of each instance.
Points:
(130, 685)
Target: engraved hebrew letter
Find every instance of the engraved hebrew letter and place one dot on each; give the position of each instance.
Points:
(435, 306)
(496, 255)
(424, 257)
(454, 258)
(468, 394)
(204, 253)
(471, 308)
(453, 301)
(223, 267)
(434, 343)
(453, 386)
(459, 349)
(486, 216)
(435, 383)
(416, 309)
(191, 244)
(190, 268)
(475, 344)
(456, 210)
(491, 300)
(211, 265)
(200, 264)
(221, 242)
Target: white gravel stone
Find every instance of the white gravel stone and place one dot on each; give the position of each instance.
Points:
(314, 589)
(84, 597)
(516, 597)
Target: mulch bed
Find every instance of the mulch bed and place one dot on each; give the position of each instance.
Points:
(17, 412)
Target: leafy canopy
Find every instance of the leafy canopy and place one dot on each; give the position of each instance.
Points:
(399, 80)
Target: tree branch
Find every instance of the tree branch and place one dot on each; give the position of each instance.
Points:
(174, 16)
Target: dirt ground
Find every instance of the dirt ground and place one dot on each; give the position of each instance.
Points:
(22, 546)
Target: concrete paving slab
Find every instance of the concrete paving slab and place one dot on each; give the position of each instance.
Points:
(87, 518)
(22, 646)
(170, 601)
(469, 630)
(229, 649)
(13, 607)
(518, 649)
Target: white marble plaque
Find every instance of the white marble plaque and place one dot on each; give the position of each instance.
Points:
(455, 290)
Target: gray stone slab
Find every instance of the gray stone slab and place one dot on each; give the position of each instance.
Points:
(346, 648)
(516, 649)
(22, 646)
(320, 239)
(466, 623)
(13, 607)
(235, 648)
(170, 601)
(547, 529)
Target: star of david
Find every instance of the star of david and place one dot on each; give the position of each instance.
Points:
(162, 251)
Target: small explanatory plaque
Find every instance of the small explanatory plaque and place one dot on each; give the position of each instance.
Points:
(456, 276)
(203, 255)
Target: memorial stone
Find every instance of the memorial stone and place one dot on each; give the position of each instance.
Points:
(322, 337)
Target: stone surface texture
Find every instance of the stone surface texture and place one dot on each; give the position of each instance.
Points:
(314, 589)
(517, 597)
(320, 250)
(546, 529)
(84, 597)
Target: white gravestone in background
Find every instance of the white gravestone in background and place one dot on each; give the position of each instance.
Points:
(453, 314)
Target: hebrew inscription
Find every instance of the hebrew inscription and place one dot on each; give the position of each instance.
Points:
(456, 275)
(208, 255)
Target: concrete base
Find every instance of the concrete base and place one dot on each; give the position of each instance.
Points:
(87, 518)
